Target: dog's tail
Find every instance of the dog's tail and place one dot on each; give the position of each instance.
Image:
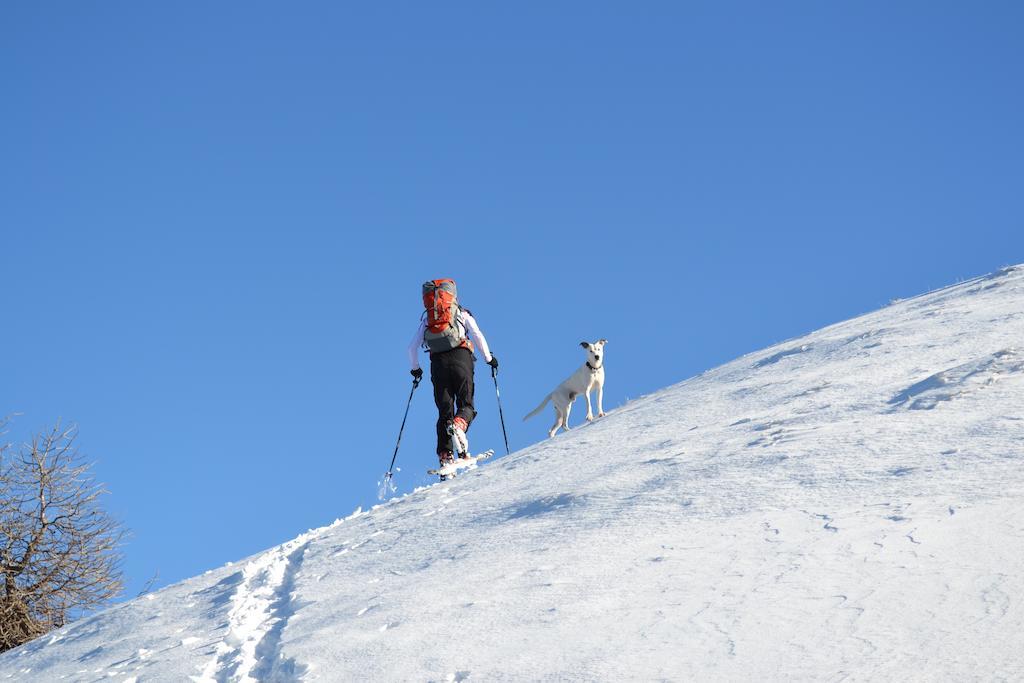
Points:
(538, 408)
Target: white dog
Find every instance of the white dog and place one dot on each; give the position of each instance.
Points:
(583, 381)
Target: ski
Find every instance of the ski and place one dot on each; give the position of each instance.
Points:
(451, 468)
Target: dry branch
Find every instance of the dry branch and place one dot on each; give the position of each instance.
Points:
(59, 551)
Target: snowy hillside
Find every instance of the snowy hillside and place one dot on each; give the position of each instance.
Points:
(845, 505)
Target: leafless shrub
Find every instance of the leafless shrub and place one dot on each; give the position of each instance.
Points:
(59, 551)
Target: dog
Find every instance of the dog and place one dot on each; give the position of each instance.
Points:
(583, 381)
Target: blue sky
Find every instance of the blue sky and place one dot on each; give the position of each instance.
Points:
(215, 219)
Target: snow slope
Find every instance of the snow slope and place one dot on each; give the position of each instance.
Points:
(847, 505)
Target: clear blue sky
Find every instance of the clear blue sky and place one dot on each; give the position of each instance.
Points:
(215, 218)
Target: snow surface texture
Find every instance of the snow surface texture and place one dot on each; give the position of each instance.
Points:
(847, 505)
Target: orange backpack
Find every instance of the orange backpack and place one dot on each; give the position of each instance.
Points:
(444, 331)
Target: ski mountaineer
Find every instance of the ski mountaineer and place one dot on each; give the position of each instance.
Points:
(449, 333)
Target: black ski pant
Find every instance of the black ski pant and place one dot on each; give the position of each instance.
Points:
(451, 373)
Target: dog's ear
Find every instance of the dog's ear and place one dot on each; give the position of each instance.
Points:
(585, 345)
(603, 341)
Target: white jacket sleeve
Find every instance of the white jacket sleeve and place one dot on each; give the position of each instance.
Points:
(415, 344)
(476, 336)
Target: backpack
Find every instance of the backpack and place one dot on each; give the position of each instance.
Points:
(443, 330)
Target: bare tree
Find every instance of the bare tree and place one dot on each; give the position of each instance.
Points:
(59, 551)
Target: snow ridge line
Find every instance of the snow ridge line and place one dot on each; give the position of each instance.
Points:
(261, 605)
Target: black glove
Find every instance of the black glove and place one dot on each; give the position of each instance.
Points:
(493, 362)
(416, 374)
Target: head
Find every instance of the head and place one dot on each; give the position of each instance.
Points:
(595, 352)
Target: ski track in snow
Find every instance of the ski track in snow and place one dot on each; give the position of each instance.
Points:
(843, 506)
(261, 606)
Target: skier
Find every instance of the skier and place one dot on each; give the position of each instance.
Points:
(449, 333)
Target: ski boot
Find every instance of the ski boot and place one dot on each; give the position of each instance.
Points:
(457, 431)
(445, 458)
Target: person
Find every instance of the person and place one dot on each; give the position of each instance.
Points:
(451, 369)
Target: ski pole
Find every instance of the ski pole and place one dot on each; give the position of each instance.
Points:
(501, 414)
(415, 383)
